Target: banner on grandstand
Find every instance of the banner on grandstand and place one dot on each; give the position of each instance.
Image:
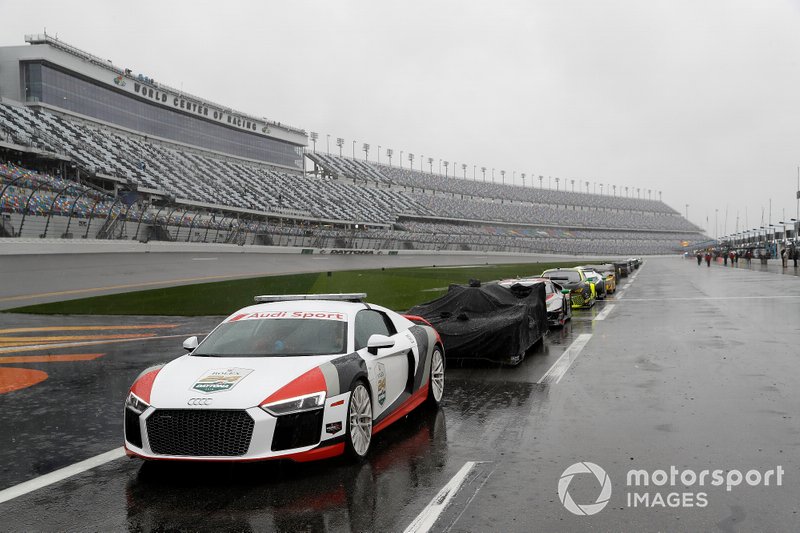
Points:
(340, 251)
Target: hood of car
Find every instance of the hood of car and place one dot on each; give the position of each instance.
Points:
(227, 382)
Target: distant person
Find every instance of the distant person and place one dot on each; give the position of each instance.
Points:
(795, 253)
(708, 259)
(725, 259)
(784, 259)
(732, 256)
(699, 258)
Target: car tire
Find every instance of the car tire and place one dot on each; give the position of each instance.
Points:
(358, 436)
(436, 378)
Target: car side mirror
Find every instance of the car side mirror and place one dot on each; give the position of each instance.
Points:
(378, 341)
(190, 344)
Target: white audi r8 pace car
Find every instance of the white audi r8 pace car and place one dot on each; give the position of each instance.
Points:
(300, 377)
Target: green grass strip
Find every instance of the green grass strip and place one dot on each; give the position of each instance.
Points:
(395, 288)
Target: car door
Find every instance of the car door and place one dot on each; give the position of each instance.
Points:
(389, 367)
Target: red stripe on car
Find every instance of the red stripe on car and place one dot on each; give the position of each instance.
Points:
(144, 385)
(311, 381)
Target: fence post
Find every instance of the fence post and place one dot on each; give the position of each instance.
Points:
(91, 217)
(28, 203)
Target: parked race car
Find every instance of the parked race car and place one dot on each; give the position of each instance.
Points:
(559, 302)
(597, 280)
(299, 377)
(582, 290)
(609, 272)
(488, 322)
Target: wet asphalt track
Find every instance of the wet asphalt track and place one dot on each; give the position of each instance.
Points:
(33, 279)
(694, 367)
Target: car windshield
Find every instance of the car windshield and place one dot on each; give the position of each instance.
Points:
(563, 275)
(278, 337)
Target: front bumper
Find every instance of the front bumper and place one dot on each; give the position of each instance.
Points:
(198, 434)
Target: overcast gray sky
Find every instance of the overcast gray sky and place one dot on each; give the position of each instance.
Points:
(698, 99)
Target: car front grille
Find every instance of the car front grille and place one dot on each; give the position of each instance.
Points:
(297, 430)
(200, 432)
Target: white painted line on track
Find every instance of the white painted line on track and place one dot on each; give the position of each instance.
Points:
(560, 367)
(604, 313)
(427, 518)
(699, 298)
(59, 475)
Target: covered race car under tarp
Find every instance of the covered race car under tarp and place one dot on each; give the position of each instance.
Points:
(489, 321)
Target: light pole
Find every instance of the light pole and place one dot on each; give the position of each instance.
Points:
(440, 166)
(314, 136)
(365, 147)
(523, 179)
(401, 159)
(573, 185)
(557, 182)
(503, 176)
(464, 169)
(354, 149)
(483, 171)
(474, 172)
(411, 161)
(328, 143)
(601, 189)
(540, 182)
(379, 154)
(430, 164)
(446, 163)
(716, 215)
(389, 154)
(615, 189)
(587, 187)
(339, 143)
(492, 174)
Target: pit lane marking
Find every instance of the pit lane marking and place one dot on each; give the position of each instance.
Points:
(91, 343)
(59, 475)
(59, 358)
(604, 313)
(560, 367)
(426, 519)
(85, 328)
(699, 298)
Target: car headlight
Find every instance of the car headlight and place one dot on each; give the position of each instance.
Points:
(298, 404)
(136, 404)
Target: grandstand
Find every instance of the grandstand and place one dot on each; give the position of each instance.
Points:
(96, 151)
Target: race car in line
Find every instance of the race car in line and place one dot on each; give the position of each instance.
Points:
(558, 299)
(582, 290)
(599, 282)
(608, 272)
(300, 377)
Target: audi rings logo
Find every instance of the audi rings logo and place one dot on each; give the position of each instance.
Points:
(199, 401)
(589, 508)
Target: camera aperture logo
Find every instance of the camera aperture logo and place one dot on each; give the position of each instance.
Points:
(586, 509)
(669, 487)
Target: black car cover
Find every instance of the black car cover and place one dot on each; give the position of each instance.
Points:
(488, 322)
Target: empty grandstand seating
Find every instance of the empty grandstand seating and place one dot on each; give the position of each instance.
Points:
(183, 193)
